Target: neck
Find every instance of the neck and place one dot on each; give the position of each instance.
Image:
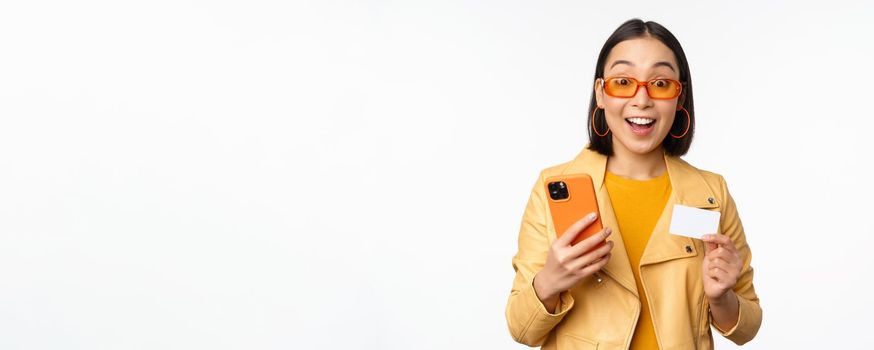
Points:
(636, 166)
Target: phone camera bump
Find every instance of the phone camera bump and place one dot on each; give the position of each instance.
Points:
(558, 190)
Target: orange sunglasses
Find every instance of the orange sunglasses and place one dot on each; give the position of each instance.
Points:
(657, 89)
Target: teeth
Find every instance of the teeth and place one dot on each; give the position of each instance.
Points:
(640, 121)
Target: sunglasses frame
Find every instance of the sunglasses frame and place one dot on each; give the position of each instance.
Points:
(645, 85)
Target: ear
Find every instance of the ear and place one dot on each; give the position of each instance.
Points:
(682, 99)
(599, 92)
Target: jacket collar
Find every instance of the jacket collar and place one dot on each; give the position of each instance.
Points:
(688, 185)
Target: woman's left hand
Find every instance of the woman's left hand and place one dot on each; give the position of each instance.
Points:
(721, 267)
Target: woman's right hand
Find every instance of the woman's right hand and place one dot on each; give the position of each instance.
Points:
(568, 264)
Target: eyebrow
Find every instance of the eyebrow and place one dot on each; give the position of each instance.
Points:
(657, 64)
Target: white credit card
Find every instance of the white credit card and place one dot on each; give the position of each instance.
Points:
(693, 222)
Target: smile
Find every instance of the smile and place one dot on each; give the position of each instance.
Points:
(640, 126)
(640, 120)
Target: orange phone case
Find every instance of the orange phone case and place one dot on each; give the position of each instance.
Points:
(580, 201)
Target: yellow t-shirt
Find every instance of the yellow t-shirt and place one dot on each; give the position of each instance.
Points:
(638, 205)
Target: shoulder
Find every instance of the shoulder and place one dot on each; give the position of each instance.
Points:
(711, 177)
(714, 180)
(554, 170)
(586, 161)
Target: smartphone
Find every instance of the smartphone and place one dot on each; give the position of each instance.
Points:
(572, 197)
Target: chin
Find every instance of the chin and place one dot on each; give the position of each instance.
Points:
(641, 146)
(645, 150)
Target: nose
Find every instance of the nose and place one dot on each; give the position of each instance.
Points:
(641, 98)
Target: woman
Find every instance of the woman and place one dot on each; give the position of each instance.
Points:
(646, 288)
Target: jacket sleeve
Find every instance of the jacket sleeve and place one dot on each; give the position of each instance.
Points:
(529, 321)
(750, 313)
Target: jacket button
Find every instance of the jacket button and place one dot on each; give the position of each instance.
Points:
(688, 249)
(711, 200)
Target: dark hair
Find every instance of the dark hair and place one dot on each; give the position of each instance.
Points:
(632, 29)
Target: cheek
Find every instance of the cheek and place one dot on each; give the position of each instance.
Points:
(613, 109)
(668, 114)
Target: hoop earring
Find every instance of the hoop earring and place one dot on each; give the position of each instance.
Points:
(593, 124)
(688, 124)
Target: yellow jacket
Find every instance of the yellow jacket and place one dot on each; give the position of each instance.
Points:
(601, 311)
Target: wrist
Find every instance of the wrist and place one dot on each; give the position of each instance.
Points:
(542, 289)
(726, 298)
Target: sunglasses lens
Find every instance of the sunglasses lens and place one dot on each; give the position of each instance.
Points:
(621, 87)
(661, 88)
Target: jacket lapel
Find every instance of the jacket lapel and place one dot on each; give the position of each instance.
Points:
(595, 164)
(688, 188)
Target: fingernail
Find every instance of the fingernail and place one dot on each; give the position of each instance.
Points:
(592, 216)
(609, 231)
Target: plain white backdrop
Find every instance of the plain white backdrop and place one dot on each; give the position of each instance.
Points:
(352, 175)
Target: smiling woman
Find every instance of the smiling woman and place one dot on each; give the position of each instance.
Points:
(645, 288)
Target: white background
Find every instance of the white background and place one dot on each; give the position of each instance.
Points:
(279, 175)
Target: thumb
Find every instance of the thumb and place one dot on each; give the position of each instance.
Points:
(709, 244)
(711, 247)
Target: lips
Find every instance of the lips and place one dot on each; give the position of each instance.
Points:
(640, 126)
